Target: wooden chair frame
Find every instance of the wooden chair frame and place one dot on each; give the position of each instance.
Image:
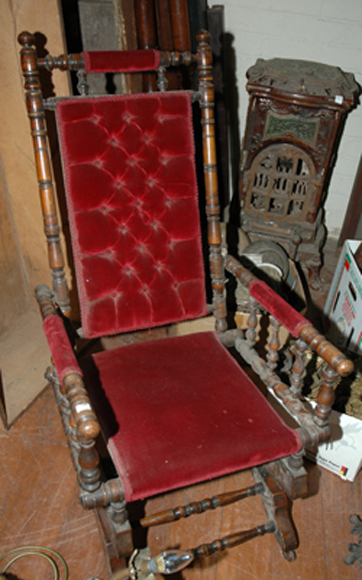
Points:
(277, 482)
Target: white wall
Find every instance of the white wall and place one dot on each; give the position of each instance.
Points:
(327, 31)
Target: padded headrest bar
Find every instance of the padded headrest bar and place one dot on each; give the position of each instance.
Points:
(292, 320)
(121, 61)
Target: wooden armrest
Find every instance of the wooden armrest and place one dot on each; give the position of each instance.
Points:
(67, 367)
(294, 322)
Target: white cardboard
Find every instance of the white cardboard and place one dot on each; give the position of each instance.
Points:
(343, 452)
(343, 308)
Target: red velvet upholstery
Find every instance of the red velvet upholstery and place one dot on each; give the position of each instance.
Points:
(99, 61)
(278, 307)
(60, 347)
(133, 210)
(180, 410)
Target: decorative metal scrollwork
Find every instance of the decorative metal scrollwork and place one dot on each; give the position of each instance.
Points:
(355, 549)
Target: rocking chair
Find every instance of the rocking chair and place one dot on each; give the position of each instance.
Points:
(174, 410)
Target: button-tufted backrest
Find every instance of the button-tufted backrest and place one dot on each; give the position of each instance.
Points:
(133, 208)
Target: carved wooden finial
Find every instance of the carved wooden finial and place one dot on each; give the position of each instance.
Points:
(203, 37)
(345, 368)
(26, 39)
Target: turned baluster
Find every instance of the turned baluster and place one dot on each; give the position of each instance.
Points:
(273, 344)
(119, 513)
(65, 415)
(174, 560)
(87, 430)
(199, 507)
(211, 181)
(252, 322)
(162, 81)
(244, 276)
(88, 461)
(71, 431)
(232, 540)
(296, 461)
(336, 365)
(298, 368)
(82, 85)
(325, 397)
(36, 114)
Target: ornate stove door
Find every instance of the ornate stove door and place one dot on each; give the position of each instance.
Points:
(281, 184)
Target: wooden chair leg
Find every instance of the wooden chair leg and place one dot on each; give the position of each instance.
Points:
(277, 508)
(116, 537)
(115, 529)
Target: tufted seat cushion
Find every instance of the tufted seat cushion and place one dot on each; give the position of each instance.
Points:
(180, 410)
(133, 209)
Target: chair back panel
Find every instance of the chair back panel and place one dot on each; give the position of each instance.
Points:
(132, 199)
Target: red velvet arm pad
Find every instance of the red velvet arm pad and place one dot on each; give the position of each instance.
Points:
(278, 307)
(121, 60)
(60, 347)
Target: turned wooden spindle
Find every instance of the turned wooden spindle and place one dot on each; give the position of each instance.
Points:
(66, 416)
(119, 512)
(88, 460)
(36, 114)
(210, 174)
(82, 84)
(232, 540)
(87, 430)
(252, 322)
(273, 344)
(62, 62)
(298, 368)
(199, 507)
(175, 59)
(244, 276)
(296, 461)
(325, 397)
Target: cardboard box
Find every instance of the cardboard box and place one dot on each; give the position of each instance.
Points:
(343, 309)
(342, 454)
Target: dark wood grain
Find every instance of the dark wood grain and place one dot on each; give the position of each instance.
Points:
(36, 115)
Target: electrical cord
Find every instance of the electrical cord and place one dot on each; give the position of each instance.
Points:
(50, 556)
(40, 551)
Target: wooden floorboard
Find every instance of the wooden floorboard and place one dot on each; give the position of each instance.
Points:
(39, 497)
(39, 506)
